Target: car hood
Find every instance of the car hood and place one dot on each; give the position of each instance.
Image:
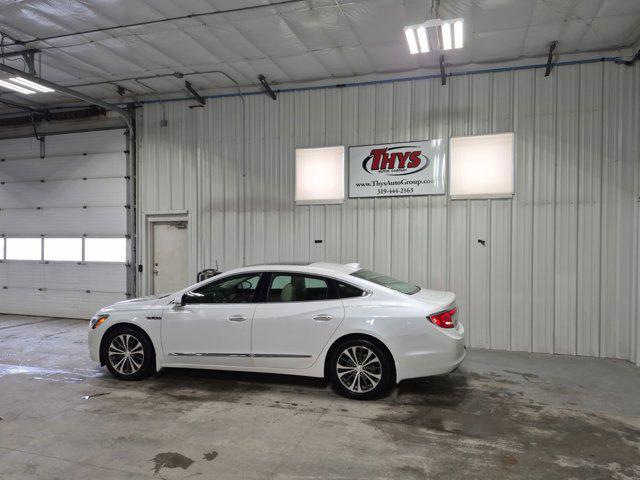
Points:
(435, 298)
(135, 303)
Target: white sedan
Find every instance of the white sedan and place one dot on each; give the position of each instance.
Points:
(362, 330)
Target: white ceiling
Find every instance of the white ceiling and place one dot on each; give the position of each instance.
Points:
(301, 41)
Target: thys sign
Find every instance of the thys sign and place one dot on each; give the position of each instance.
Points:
(397, 169)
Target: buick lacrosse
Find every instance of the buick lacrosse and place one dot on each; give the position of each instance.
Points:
(362, 330)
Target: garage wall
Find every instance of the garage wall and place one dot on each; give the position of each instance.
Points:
(559, 272)
(74, 188)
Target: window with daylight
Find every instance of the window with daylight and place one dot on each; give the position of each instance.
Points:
(105, 250)
(319, 175)
(24, 248)
(482, 166)
(63, 249)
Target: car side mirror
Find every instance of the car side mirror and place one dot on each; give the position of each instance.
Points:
(179, 301)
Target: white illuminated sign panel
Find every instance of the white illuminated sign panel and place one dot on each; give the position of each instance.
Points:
(319, 175)
(482, 166)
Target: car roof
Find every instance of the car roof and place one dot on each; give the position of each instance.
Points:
(317, 267)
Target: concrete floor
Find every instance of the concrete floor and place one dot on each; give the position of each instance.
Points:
(502, 415)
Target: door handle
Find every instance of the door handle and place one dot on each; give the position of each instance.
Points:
(322, 318)
(236, 318)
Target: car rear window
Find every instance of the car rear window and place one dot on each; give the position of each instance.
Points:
(387, 281)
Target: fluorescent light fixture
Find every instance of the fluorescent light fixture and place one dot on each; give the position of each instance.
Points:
(32, 85)
(482, 166)
(319, 175)
(450, 31)
(446, 36)
(16, 88)
(458, 34)
(422, 39)
(411, 40)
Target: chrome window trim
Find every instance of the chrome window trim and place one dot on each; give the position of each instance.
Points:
(365, 291)
(220, 278)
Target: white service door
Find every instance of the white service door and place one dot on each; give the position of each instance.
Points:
(289, 332)
(169, 257)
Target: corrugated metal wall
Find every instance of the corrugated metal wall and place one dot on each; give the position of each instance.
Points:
(559, 272)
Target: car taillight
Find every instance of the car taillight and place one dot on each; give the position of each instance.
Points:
(444, 319)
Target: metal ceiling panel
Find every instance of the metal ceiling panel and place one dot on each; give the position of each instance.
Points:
(296, 42)
(618, 7)
(609, 30)
(552, 11)
(493, 15)
(498, 44)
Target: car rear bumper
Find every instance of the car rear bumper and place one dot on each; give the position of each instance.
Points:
(440, 359)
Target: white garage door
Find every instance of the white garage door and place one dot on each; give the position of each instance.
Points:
(63, 222)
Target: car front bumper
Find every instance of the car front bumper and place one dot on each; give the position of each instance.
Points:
(93, 340)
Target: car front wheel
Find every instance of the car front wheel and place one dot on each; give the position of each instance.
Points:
(360, 369)
(129, 354)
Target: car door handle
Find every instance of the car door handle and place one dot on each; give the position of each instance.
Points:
(322, 318)
(236, 318)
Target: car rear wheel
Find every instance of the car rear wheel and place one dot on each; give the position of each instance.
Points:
(129, 354)
(361, 369)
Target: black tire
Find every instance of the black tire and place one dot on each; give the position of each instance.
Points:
(347, 382)
(127, 370)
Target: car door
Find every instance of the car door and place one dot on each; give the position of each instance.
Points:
(213, 327)
(299, 314)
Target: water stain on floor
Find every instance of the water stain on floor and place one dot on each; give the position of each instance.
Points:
(483, 422)
(170, 460)
(208, 456)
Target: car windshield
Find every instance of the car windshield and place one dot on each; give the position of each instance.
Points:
(386, 281)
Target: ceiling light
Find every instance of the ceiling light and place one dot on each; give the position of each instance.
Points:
(33, 85)
(446, 36)
(449, 32)
(411, 40)
(422, 39)
(16, 88)
(458, 34)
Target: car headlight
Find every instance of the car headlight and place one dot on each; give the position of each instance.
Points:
(98, 320)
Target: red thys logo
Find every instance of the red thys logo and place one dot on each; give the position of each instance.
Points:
(394, 161)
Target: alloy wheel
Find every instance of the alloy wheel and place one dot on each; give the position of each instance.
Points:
(126, 354)
(359, 369)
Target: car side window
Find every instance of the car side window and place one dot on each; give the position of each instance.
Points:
(348, 291)
(236, 289)
(291, 287)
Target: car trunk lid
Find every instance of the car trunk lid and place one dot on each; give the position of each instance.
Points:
(435, 298)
